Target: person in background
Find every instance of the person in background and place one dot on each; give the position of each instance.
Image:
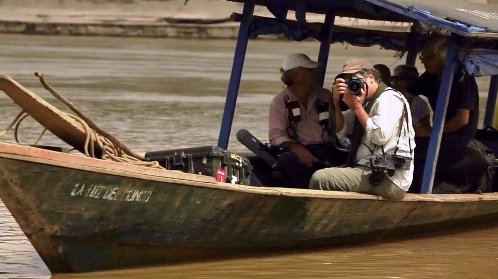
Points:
(380, 120)
(463, 107)
(403, 77)
(461, 120)
(298, 123)
(385, 73)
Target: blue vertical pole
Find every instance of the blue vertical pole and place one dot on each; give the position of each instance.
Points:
(238, 65)
(439, 117)
(326, 39)
(491, 104)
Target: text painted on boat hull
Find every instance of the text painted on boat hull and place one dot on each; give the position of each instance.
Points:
(110, 193)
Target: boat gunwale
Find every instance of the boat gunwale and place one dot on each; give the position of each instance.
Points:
(78, 162)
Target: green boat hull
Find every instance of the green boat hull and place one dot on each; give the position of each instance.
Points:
(84, 214)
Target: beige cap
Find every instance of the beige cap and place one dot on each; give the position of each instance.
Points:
(355, 65)
(295, 60)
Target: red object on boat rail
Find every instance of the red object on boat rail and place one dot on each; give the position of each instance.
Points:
(221, 175)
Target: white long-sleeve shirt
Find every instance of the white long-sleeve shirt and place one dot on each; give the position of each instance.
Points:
(382, 129)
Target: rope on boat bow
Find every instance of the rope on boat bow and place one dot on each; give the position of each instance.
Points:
(16, 124)
(111, 148)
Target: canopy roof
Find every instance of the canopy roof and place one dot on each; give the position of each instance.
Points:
(455, 16)
(468, 19)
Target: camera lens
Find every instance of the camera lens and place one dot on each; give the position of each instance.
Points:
(398, 162)
(376, 177)
(355, 84)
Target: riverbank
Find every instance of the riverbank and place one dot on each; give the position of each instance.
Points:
(144, 29)
(199, 19)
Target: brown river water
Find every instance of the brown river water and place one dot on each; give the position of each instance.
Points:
(162, 93)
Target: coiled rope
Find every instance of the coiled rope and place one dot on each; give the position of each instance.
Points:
(111, 148)
(16, 124)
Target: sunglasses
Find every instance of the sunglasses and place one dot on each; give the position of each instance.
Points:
(422, 57)
(398, 78)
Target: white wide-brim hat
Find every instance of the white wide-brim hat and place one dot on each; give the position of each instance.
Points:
(296, 60)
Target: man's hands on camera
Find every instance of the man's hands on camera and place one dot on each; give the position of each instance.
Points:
(341, 90)
(338, 90)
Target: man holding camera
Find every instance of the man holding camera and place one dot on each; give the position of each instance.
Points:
(380, 161)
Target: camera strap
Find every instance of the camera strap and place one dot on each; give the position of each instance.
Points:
(293, 117)
(404, 116)
(326, 119)
(332, 130)
(358, 130)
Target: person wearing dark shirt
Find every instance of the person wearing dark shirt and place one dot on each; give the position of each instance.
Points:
(462, 112)
(461, 117)
(463, 107)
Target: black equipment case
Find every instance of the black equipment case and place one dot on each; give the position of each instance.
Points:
(214, 161)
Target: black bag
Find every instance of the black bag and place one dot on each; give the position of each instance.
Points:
(213, 161)
(488, 182)
(489, 137)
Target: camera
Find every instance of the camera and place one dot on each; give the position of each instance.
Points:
(401, 162)
(355, 84)
(382, 165)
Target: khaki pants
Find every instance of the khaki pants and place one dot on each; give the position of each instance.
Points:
(354, 180)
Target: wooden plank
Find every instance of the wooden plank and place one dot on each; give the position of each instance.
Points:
(38, 155)
(55, 120)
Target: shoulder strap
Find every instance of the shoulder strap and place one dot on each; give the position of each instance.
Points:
(293, 117)
(326, 119)
(404, 116)
(332, 130)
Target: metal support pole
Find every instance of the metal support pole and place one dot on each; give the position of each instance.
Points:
(326, 39)
(491, 104)
(440, 115)
(411, 55)
(234, 83)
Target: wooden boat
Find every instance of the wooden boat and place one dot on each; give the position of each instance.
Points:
(87, 214)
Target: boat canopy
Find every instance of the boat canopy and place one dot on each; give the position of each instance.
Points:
(477, 24)
(455, 16)
(471, 29)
